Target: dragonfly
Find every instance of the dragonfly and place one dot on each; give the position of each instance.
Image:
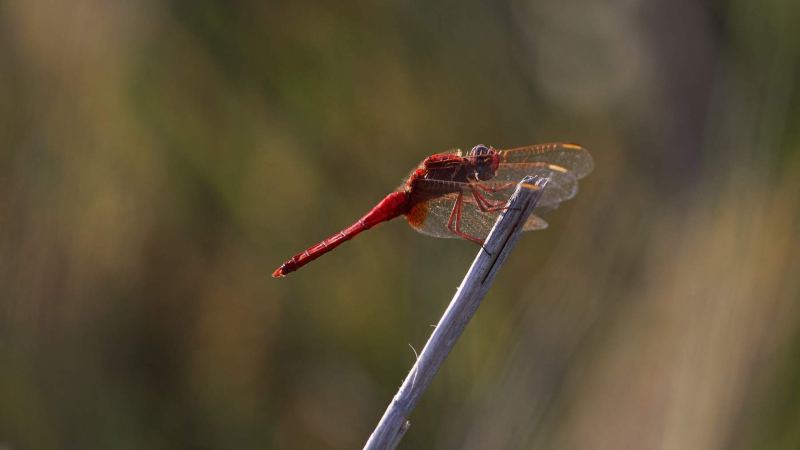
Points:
(459, 195)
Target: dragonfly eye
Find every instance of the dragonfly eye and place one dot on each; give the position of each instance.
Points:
(482, 158)
(479, 150)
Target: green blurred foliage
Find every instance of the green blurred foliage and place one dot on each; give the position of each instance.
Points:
(159, 159)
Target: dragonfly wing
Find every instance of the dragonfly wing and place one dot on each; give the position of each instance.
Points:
(430, 217)
(534, 223)
(572, 157)
(433, 217)
(562, 184)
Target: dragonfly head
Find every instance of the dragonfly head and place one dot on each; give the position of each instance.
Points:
(485, 160)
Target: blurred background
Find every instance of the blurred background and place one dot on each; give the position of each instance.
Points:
(158, 160)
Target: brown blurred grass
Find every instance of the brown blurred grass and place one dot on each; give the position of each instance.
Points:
(157, 160)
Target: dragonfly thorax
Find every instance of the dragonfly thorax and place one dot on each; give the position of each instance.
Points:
(479, 164)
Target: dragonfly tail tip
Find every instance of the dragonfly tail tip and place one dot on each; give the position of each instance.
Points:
(278, 273)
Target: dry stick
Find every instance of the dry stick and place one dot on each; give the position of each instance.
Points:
(479, 278)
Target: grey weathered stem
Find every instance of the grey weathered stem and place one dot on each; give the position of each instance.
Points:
(476, 283)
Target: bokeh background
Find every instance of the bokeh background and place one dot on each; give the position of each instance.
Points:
(158, 159)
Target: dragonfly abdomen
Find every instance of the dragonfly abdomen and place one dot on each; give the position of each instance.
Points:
(393, 205)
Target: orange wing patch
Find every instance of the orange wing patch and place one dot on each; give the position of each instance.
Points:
(416, 217)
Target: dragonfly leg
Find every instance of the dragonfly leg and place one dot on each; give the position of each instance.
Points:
(487, 205)
(454, 222)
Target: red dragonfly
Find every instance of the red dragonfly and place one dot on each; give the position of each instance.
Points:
(459, 196)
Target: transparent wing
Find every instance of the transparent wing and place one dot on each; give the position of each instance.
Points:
(563, 184)
(433, 216)
(572, 157)
(534, 223)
